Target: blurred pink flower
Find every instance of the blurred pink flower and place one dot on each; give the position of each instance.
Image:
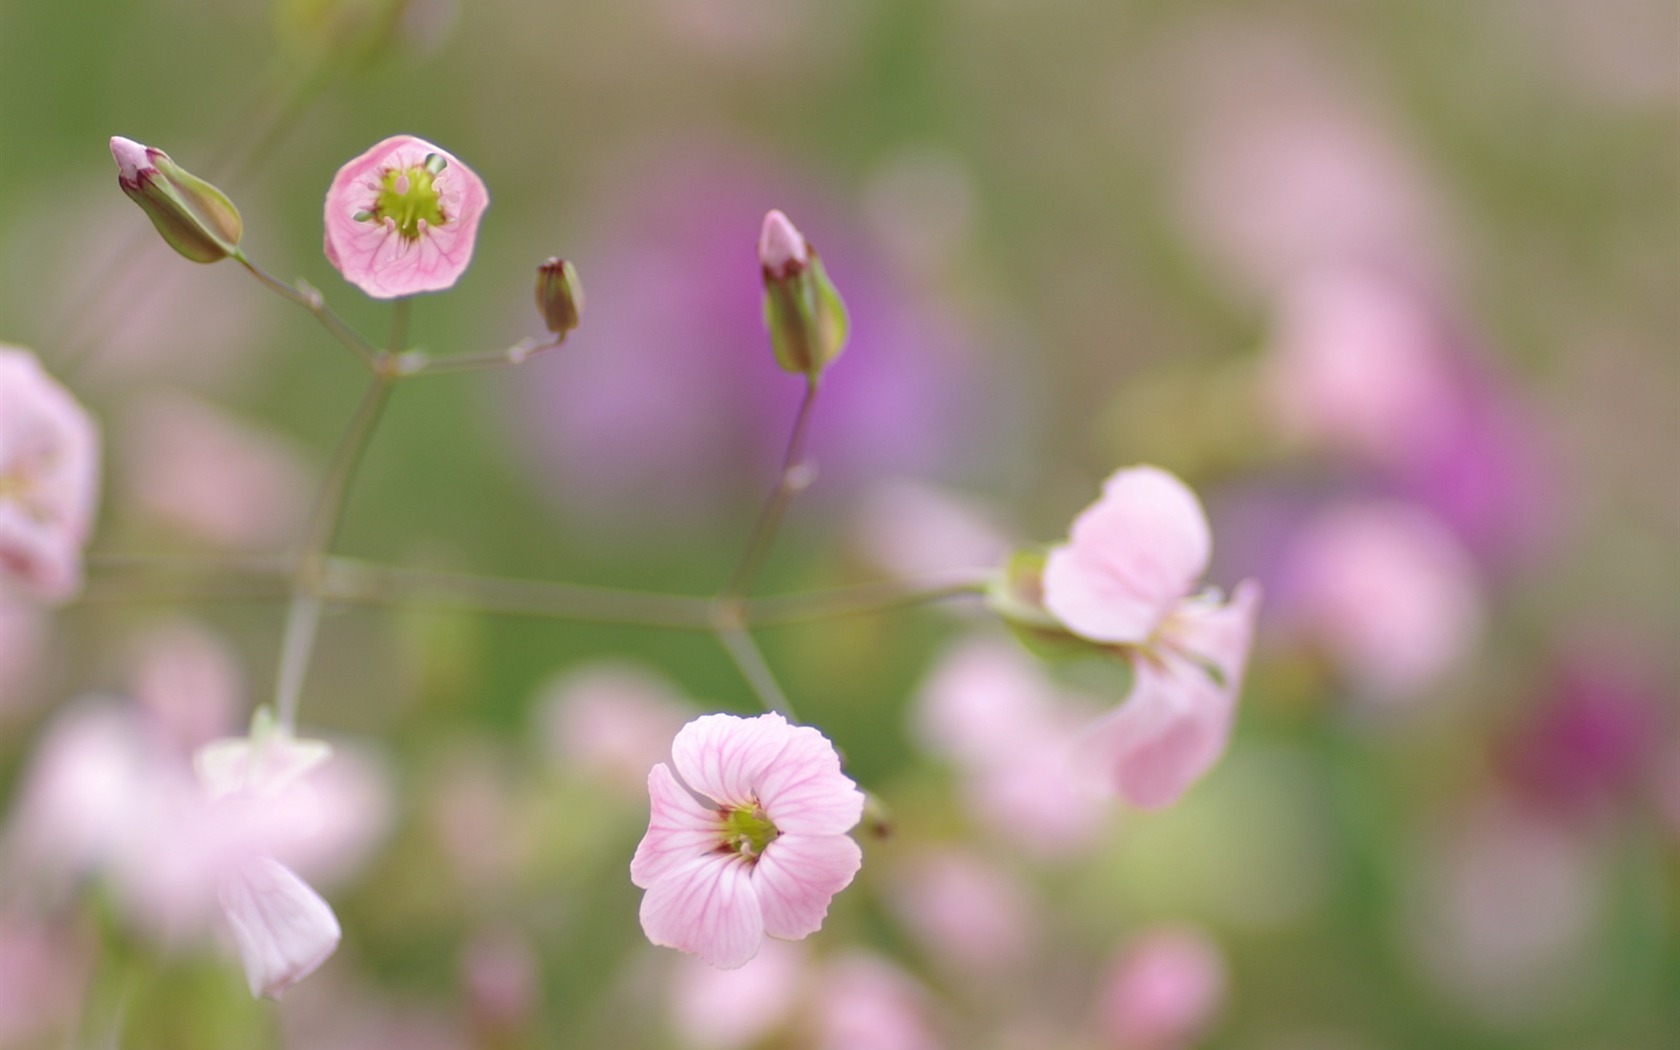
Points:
(751, 841)
(611, 721)
(217, 477)
(1125, 578)
(864, 1002)
(911, 530)
(1164, 991)
(49, 479)
(1387, 591)
(717, 1009)
(283, 929)
(44, 972)
(971, 913)
(23, 641)
(402, 217)
(988, 706)
(188, 682)
(502, 977)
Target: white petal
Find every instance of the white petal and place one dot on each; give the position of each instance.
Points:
(283, 928)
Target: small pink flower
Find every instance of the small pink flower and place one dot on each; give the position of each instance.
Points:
(283, 929)
(401, 218)
(1125, 578)
(750, 841)
(49, 479)
(1164, 990)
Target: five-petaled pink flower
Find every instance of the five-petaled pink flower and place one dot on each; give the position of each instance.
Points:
(49, 479)
(401, 218)
(1125, 578)
(750, 841)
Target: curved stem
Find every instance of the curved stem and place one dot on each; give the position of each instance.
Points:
(312, 300)
(415, 363)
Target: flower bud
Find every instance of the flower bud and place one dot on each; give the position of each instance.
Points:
(196, 218)
(559, 295)
(802, 309)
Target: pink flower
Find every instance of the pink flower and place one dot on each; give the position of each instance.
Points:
(283, 929)
(401, 218)
(1164, 990)
(750, 841)
(1125, 579)
(49, 479)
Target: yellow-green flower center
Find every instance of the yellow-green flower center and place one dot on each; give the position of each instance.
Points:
(747, 830)
(409, 198)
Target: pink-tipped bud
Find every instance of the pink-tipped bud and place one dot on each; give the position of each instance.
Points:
(559, 295)
(802, 308)
(781, 247)
(196, 218)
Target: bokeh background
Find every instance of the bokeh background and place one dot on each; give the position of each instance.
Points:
(1394, 285)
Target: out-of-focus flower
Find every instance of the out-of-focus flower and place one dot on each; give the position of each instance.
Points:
(1164, 991)
(1124, 579)
(44, 972)
(1386, 591)
(502, 978)
(402, 217)
(610, 722)
(990, 708)
(49, 479)
(217, 477)
(23, 641)
(188, 682)
(670, 415)
(913, 530)
(194, 217)
(970, 913)
(864, 1002)
(717, 1009)
(283, 929)
(766, 851)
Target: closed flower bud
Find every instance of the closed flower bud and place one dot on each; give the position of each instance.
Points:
(196, 218)
(802, 309)
(559, 295)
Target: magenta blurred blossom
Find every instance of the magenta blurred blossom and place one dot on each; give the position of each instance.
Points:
(1164, 991)
(1125, 578)
(717, 1009)
(969, 912)
(49, 479)
(1013, 733)
(399, 224)
(1595, 729)
(216, 477)
(751, 841)
(669, 411)
(1386, 591)
(610, 721)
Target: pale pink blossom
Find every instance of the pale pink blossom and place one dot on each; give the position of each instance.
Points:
(1125, 578)
(24, 636)
(213, 475)
(283, 929)
(502, 977)
(402, 217)
(864, 1002)
(1131, 557)
(751, 841)
(781, 247)
(1164, 990)
(1387, 592)
(49, 479)
(188, 681)
(973, 914)
(44, 970)
(911, 530)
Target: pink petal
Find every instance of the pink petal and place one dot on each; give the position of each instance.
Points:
(796, 878)
(708, 907)
(804, 790)
(283, 928)
(679, 830)
(1130, 558)
(724, 757)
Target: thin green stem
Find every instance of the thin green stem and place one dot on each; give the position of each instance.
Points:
(794, 476)
(297, 645)
(738, 642)
(788, 609)
(312, 300)
(415, 363)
